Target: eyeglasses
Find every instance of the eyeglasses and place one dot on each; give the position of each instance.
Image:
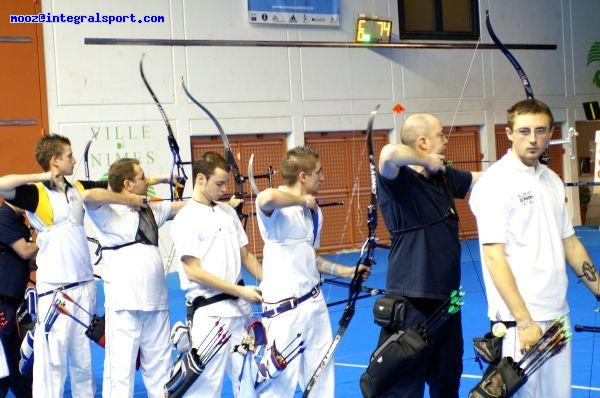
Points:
(538, 131)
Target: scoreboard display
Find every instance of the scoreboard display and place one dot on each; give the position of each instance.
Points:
(373, 30)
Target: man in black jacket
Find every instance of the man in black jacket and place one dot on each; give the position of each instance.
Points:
(16, 249)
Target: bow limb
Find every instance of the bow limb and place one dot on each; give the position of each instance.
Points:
(251, 176)
(544, 158)
(372, 210)
(86, 154)
(176, 194)
(508, 54)
(238, 179)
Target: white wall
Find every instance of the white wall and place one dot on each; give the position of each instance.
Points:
(293, 90)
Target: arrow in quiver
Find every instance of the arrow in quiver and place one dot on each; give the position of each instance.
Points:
(503, 379)
(405, 348)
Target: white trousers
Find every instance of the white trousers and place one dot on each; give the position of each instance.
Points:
(130, 332)
(553, 379)
(64, 344)
(311, 320)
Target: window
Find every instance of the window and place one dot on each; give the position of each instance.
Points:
(439, 19)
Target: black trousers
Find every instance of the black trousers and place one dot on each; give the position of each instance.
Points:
(441, 366)
(19, 384)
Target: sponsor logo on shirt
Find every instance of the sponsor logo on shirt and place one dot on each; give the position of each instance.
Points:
(526, 198)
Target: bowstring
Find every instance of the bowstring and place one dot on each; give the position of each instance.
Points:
(462, 92)
(452, 125)
(167, 253)
(256, 308)
(355, 192)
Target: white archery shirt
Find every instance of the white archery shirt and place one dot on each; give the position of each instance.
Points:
(134, 276)
(289, 263)
(524, 208)
(214, 235)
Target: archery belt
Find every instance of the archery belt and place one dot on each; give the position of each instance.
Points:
(186, 370)
(395, 356)
(500, 381)
(61, 288)
(201, 301)
(290, 303)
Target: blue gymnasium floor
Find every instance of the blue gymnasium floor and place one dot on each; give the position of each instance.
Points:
(360, 338)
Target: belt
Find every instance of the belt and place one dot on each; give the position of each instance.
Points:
(65, 287)
(290, 303)
(201, 301)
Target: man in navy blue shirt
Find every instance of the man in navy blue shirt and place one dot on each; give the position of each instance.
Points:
(416, 196)
(16, 249)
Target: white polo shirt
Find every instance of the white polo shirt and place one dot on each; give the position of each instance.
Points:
(289, 264)
(524, 208)
(134, 276)
(63, 255)
(215, 236)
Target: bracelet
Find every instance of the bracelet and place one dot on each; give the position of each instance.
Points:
(331, 269)
(524, 325)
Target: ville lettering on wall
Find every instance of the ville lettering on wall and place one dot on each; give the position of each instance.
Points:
(122, 141)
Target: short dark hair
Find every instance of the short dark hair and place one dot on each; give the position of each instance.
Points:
(207, 163)
(120, 171)
(528, 106)
(49, 146)
(296, 160)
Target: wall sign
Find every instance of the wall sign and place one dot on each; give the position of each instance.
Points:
(294, 12)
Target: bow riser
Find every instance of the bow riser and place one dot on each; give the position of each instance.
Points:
(177, 191)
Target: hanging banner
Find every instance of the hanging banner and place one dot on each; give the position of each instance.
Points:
(294, 12)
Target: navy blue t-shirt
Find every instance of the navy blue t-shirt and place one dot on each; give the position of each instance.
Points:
(14, 271)
(420, 215)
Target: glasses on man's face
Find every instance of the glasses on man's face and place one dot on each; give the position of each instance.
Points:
(540, 131)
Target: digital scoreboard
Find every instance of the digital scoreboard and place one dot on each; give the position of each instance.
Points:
(373, 30)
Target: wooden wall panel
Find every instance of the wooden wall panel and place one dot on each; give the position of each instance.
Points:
(346, 169)
(345, 163)
(23, 105)
(464, 151)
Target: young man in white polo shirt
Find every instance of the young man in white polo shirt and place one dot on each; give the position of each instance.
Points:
(55, 209)
(290, 221)
(525, 233)
(137, 308)
(212, 246)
